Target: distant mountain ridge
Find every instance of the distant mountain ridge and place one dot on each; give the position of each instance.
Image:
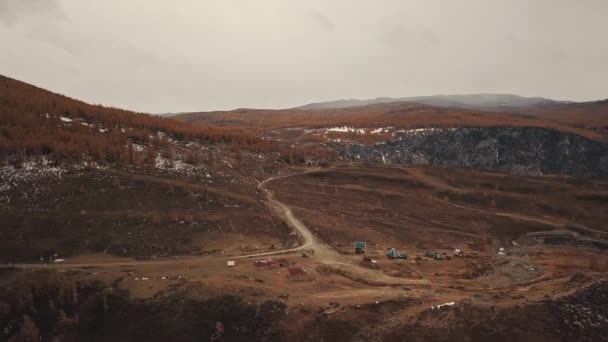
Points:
(486, 102)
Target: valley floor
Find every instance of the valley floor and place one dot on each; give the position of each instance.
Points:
(503, 248)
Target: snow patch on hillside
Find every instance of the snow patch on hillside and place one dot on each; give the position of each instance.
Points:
(179, 166)
(381, 130)
(24, 179)
(346, 129)
(138, 147)
(414, 131)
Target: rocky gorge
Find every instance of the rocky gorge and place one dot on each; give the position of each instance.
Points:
(526, 150)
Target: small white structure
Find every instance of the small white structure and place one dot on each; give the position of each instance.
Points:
(231, 263)
(442, 305)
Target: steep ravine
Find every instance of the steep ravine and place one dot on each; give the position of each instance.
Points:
(532, 151)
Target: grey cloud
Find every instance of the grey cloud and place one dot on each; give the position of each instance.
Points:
(13, 12)
(42, 20)
(154, 56)
(322, 20)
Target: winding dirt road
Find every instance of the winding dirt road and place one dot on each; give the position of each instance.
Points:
(309, 241)
(322, 252)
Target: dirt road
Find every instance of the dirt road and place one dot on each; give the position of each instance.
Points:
(422, 176)
(309, 242)
(322, 252)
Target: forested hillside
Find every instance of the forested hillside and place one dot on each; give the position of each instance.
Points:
(34, 121)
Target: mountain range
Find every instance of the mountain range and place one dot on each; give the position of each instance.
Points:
(485, 102)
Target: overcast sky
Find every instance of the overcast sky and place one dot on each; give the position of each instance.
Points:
(161, 56)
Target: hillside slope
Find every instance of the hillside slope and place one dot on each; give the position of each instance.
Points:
(408, 115)
(77, 178)
(34, 121)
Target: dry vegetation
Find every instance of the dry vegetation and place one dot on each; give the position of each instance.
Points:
(130, 215)
(31, 124)
(397, 206)
(589, 120)
(587, 115)
(36, 122)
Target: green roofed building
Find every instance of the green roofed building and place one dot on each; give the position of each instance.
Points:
(438, 256)
(360, 247)
(394, 254)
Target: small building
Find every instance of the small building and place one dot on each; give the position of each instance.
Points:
(434, 255)
(295, 270)
(394, 254)
(231, 263)
(266, 264)
(360, 247)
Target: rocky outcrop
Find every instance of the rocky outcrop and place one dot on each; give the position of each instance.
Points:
(531, 151)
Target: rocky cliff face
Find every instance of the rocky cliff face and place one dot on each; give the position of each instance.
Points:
(533, 151)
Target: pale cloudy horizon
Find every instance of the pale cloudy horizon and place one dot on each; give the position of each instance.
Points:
(218, 55)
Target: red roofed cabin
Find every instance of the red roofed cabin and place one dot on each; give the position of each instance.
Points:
(266, 264)
(296, 270)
